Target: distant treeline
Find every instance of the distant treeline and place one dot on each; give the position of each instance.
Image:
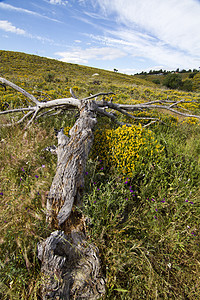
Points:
(164, 72)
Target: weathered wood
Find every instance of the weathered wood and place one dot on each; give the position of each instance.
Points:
(71, 267)
(68, 182)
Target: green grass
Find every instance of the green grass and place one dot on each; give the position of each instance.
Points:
(146, 227)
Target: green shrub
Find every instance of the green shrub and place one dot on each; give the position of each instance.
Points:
(49, 77)
(156, 81)
(187, 85)
(173, 81)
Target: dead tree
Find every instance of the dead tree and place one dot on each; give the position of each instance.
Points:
(70, 264)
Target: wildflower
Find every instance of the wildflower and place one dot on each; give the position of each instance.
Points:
(193, 233)
(1, 194)
(156, 209)
(98, 189)
(86, 173)
(163, 201)
(191, 202)
(127, 199)
(186, 200)
(20, 179)
(94, 182)
(36, 176)
(152, 200)
(23, 170)
(169, 265)
(43, 166)
(95, 201)
(155, 217)
(102, 168)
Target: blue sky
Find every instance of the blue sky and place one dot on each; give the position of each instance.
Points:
(129, 35)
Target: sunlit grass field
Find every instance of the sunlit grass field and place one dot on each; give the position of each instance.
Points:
(142, 186)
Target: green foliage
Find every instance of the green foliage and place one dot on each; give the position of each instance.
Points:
(173, 81)
(187, 85)
(146, 226)
(49, 77)
(196, 82)
(26, 174)
(156, 81)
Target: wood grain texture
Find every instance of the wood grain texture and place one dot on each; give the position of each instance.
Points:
(71, 267)
(68, 182)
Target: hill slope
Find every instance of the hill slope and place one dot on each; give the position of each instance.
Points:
(146, 226)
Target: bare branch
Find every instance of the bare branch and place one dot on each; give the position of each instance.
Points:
(33, 118)
(152, 122)
(72, 93)
(18, 122)
(97, 95)
(98, 106)
(16, 110)
(109, 115)
(176, 103)
(17, 88)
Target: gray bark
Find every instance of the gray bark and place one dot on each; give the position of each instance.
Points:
(70, 265)
(68, 182)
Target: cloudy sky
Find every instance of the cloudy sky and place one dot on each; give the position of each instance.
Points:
(129, 35)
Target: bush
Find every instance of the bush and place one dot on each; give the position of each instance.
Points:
(156, 81)
(187, 85)
(49, 77)
(173, 81)
(126, 149)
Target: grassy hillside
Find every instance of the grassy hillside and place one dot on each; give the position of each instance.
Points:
(142, 190)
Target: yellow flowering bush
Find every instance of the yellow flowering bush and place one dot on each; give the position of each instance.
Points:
(128, 149)
(191, 120)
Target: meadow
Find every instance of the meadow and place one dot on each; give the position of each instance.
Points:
(142, 195)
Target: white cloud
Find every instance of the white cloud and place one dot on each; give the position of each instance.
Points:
(166, 32)
(61, 2)
(22, 10)
(7, 26)
(81, 56)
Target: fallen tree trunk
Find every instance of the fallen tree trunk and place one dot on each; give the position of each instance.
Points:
(68, 183)
(70, 265)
